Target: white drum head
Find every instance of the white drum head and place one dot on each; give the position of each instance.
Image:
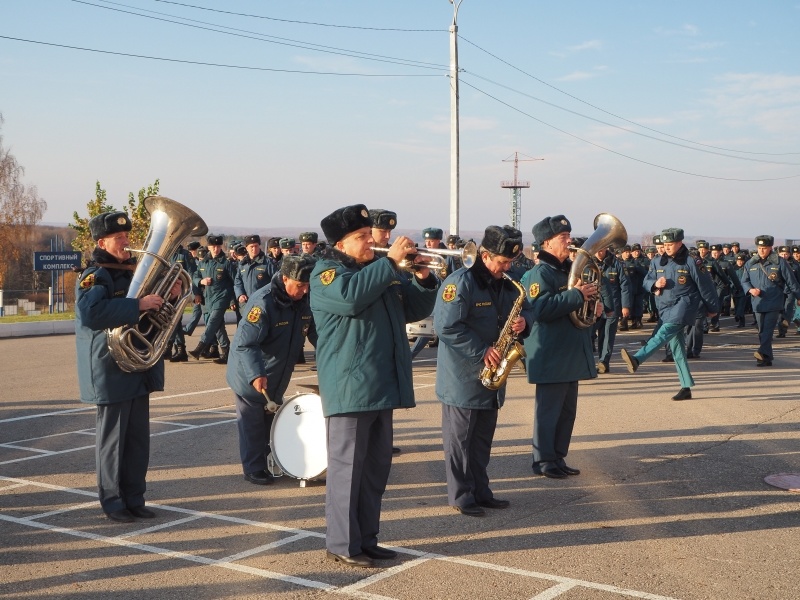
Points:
(298, 436)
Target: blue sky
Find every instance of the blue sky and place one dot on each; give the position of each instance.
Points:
(712, 89)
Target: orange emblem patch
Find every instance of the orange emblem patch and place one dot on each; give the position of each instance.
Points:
(254, 315)
(449, 292)
(326, 277)
(87, 282)
(533, 291)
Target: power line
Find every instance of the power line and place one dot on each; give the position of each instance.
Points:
(226, 12)
(618, 116)
(210, 64)
(514, 108)
(644, 135)
(267, 38)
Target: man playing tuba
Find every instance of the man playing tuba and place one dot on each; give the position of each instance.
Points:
(122, 398)
(559, 353)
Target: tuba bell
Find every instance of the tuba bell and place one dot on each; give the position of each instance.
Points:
(608, 231)
(139, 347)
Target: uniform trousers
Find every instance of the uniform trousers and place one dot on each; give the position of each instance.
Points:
(254, 425)
(606, 334)
(671, 333)
(467, 435)
(554, 417)
(215, 329)
(766, 322)
(122, 453)
(359, 461)
(787, 314)
(197, 314)
(695, 336)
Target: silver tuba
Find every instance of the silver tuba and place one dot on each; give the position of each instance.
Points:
(608, 231)
(139, 347)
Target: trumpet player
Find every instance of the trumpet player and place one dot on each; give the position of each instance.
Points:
(559, 354)
(472, 310)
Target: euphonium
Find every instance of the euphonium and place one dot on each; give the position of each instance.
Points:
(138, 347)
(507, 345)
(608, 231)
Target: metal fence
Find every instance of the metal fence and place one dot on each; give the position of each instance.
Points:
(31, 302)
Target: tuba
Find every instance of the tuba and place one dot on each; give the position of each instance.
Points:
(139, 347)
(608, 231)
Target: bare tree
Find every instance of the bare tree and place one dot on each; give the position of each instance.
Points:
(21, 210)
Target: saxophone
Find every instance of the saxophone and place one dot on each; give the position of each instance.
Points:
(507, 345)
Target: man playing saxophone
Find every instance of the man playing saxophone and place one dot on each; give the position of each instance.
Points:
(559, 353)
(471, 311)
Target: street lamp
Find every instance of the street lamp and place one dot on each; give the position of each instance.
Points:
(454, 155)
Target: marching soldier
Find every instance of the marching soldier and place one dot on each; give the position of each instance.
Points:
(308, 242)
(183, 258)
(791, 299)
(614, 294)
(288, 246)
(681, 285)
(252, 271)
(214, 273)
(765, 277)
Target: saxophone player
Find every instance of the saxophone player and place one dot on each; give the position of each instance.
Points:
(471, 311)
(559, 354)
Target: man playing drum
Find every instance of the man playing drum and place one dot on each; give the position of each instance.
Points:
(262, 357)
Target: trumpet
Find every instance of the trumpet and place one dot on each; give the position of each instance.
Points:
(435, 258)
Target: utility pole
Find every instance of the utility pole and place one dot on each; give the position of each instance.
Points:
(516, 189)
(454, 149)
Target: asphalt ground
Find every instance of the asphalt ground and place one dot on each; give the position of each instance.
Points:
(671, 501)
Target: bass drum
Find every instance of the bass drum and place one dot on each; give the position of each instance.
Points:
(297, 438)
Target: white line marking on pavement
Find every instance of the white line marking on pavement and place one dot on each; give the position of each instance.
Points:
(353, 590)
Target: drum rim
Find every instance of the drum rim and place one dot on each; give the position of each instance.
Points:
(275, 458)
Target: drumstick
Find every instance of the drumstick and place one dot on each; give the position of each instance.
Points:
(270, 406)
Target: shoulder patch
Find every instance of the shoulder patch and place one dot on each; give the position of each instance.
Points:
(449, 292)
(326, 277)
(87, 281)
(533, 291)
(254, 315)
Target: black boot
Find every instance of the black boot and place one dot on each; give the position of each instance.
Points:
(198, 352)
(180, 355)
(223, 357)
(213, 352)
(623, 325)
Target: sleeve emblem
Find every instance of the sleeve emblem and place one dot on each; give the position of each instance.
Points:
(533, 291)
(87, 281)
(682, 279)
(326, 277)
(254, 315)
(449, 292)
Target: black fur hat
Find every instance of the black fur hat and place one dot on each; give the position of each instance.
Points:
(345, 220)
(502, 241)
(383, 219)
(252, 239)
(214, 240)
(193, 245)
(550, 227)
(765, 240)
(108, 223)
(297, 267)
